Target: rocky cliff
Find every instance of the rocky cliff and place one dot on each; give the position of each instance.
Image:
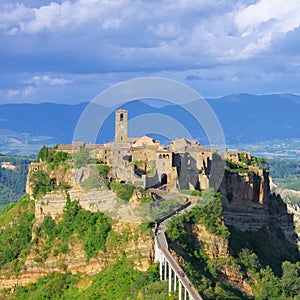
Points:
(125, 238)
(248, 204)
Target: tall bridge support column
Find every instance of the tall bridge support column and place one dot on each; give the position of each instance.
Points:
(160, 268)
(165, 268)
(180, 290)
(184, 293)
(170, 280)
(174, 281)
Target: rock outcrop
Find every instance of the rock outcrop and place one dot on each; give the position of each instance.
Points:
(213, 245)
(137, 246)
(248, 205)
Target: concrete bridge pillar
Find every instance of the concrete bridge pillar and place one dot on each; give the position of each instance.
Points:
(175, 281)
(165, 268)
(160, 268)
(180, 290)
(170, 280)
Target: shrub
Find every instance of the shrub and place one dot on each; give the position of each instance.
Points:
(41, 183)
(91, 228)
(123, 191)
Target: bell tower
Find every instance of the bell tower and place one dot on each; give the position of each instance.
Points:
(121, 125)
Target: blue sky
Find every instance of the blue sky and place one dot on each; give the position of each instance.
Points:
(70, 51)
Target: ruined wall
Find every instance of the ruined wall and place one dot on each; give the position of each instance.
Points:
(33, 167)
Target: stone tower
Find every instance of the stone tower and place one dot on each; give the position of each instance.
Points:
(121, 125)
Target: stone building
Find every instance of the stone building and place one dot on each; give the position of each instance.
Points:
(236, 156)
(71, 148)
(144, 162)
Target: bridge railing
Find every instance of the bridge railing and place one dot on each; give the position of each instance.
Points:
(163, 255)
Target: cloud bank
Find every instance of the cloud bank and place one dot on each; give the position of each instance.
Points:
(218, 47)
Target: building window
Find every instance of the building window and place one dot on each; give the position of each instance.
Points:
(121, 117)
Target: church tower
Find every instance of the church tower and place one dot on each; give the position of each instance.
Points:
(121, 125)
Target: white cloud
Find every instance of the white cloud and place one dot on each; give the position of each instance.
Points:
(45, 79)
(56, 16)
(26, 92)
(261, 23)
(121, 36)
(12, 93)
(285, 14)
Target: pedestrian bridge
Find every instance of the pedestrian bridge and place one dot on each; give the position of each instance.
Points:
(170, 271)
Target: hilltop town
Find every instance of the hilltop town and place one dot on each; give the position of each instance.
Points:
(183, 164)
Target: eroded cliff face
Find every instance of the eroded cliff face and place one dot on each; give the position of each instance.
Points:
(213, 245)
(216, 249)
(248, 205)
(62, 175)
(126, 238)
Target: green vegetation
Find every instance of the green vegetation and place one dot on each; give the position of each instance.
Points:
(82, 158)
(52, 157)
(265, 284)
(211, 215)
(265, 259)
(145, 195)
(103, 169)
(12, 182)
(53, 286)
(285, 173)
(123, 190)
(191, 192)
(16, 222)
(92, 182)
(270, 246)
(40, 180)
(118, 281)
(158, 209)
(41, 183)
(197, 266)
(76, 224)
(245, 163)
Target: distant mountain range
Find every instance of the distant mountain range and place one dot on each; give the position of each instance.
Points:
(245, 119)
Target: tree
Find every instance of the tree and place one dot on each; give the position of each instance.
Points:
(103, 170)
(81, 158)
(41, 183)
(291, 279)
(249, 260)
(43, 153)
(261, 161)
